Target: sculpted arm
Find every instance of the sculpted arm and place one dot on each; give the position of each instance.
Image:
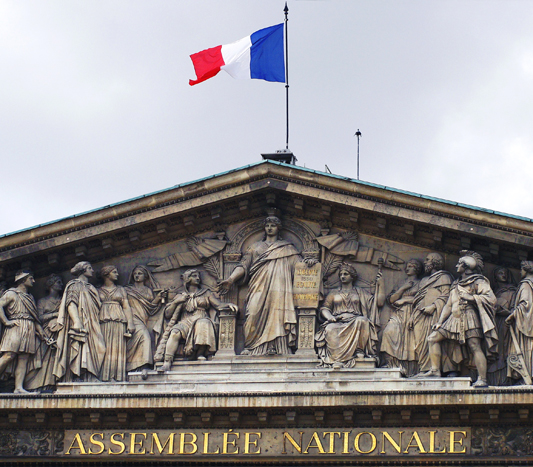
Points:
(171, 307)
(74, 315)
(446, 312)
(220, 305)
(523, 305)
(438, 304)
(326, 309)
(237, 274)
(129, 314)
(44, 314)
(397, 295)
(6, 299)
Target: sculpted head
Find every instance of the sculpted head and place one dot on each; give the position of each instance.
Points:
(433, 261)
(470, 260)
(272, 225)
(191, 276)
(54, 282)
(82, 268)
(110, 272)
(502, 275)
(526, 267)
(141, 274)
(24, 277)
(347, 272)
(414, 267)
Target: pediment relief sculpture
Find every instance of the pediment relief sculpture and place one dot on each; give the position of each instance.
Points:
(266, 287)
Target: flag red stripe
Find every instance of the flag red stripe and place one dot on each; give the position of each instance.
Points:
(206, 64)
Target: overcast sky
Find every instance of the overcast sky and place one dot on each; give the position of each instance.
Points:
(95, 105)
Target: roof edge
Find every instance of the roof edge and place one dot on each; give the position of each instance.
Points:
(191, 188)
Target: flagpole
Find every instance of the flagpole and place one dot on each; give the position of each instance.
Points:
(286, 10)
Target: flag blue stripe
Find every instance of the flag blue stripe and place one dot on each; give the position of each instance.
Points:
(267, 59)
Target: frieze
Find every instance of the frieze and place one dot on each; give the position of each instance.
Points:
(432, 444)
(401, 315)
(294, 443)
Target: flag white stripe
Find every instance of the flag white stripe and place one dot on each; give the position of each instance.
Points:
(236, 57)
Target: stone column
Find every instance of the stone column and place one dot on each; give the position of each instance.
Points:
(306, 332)
(226, 336)
(228, 319)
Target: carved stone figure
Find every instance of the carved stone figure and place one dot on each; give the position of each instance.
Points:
(192, 321)
(48, 309)
(521, 318)
(467, 319)
(505, 290)
(397, 341)
(18, 313)
(80, 343)
(116, 321)
(268, 266)
(432, 295)
(145, 305)
(351, 315)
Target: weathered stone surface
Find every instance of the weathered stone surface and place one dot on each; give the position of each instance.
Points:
(365, 244)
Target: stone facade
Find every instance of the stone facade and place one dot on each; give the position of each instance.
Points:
(270, 314)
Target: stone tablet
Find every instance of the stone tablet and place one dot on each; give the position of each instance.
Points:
(306, 285)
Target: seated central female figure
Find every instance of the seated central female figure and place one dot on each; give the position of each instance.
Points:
(351, 321)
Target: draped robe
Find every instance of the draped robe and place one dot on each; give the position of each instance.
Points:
(474, 320)
(355, 329)
(270, 314)
(141, 344)
(433, 289)
(397, 339)
(76, 356)
(523, 313)
(497, 370)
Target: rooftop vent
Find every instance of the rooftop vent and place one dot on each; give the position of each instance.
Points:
(283, 155)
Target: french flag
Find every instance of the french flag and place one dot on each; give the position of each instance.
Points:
(258, 56)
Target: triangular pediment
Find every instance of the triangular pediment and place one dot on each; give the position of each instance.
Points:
(209, 206)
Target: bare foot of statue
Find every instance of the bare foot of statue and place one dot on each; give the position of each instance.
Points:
(480, 383)
(337, 365)
(429, 374)
(246, 352)
(166, 366)
(201, 358)
(359, 354)
(20, 391)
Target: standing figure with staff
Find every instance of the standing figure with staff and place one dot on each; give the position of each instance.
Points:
(352, 320)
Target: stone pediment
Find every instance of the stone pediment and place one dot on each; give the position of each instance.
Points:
(289, 305)
(251, 192)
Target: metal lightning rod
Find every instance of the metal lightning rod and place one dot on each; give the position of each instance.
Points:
(358, 134)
